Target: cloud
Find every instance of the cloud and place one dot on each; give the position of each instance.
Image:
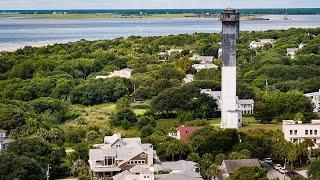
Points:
(158, 4)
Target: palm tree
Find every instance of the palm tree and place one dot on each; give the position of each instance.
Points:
(213, 172)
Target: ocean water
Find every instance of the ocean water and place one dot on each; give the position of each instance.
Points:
(29, 31)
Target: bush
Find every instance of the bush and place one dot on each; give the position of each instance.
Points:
(124, 117)
(146, 131)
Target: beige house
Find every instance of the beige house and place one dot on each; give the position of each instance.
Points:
(118, 154)
(297, 132)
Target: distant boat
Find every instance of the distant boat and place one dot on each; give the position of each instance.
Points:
(286, 17)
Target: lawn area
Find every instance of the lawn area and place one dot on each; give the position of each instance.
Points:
(250, 124)
(98, 116)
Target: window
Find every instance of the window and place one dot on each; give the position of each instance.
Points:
(143, 155)
(315, 132)
(310, 132)
(306, 132)
(295, 132)
(290, 132)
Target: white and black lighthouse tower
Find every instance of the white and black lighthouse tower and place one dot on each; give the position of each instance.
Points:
(231, 117)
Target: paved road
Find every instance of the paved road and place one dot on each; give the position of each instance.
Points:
(273, 173)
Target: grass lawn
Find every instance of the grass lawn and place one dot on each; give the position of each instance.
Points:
(250, 124)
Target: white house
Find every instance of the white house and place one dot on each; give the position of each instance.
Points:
(174, 51)
(184, 170)
(188, 79)
(202, 59)
(123, 73)
(261, 43)
(220, 52)
(200, 67)
(297, 132)
(246, 106)
(119, 154)
(4, 140)
(292, 52)
(314, 97)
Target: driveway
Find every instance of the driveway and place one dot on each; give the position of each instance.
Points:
(273, 173)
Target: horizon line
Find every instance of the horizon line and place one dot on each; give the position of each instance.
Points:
(155, 9)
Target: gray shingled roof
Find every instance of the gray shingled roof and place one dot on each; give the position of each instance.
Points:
(176, 165)
(231, 165)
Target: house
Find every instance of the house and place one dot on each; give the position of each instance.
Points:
(123, 73)
(246, 106)
(119, 154)
(314, 97)
(199, 67)
(202, 59)
(183, 132)
(301, 46)
(292, 52)
(220, 53)
(297, 132)
(178, 170)
(174, 51)
(163, 55)
(205, 62)
(4, 140)
(139, 172)
(229, 166)
(261, 43)
(188, 79)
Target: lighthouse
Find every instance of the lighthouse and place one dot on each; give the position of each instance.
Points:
(231, 117)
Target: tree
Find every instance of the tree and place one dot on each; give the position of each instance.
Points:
(99, 91)
(299, 117)
(123, 102)
(280, 106)
(124, 115)
(212, 172)
(15, 166)
(146, 131)
(249, 173)
(314, 170)
(92, 135)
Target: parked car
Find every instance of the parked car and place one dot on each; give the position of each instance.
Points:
(289, 174)
(267, 160)
(277, 166)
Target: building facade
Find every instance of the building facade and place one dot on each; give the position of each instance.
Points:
(230, 113)
(4, 140)
(314, 97)
(119, 154)
(246, 106)
(297, 132)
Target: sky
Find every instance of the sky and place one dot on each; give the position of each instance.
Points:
(155, 4)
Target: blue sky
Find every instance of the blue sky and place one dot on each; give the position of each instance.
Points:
(155, 4)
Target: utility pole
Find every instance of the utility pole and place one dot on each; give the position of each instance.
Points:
(267, 86)
(48, 171)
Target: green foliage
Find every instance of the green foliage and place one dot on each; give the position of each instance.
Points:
(186, 98)
(101, 91)
(314, 170)
(280, 106)
(124, 117)
(209, 140)
(147, 131)
(249, 173)
(15, 166)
